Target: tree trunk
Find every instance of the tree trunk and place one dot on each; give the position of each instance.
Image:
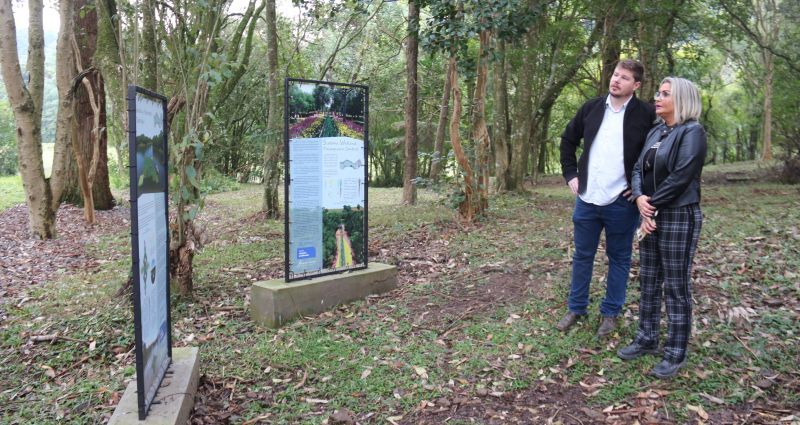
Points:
(480, 132)
(557, 80)
(108, 60)
(500, 120)
(410, 112)
(26, 104)
(65, 71)
(273, 151)
(769, 64)
(542, 162)
(465, 209)
(439, 158)
(521, 126)
(610, 44)
(539, 143)
(90, 132)
(656, 23)
(149, 48)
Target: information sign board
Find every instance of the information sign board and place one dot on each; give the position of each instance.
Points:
(147, 140)
(326, 146)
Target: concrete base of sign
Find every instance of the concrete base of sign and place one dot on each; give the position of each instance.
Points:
(176, 395)
(275, 302)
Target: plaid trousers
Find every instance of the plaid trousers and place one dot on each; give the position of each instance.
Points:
(666, 258)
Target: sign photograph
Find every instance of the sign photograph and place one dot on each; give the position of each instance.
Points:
(149, 219)
(326, 178)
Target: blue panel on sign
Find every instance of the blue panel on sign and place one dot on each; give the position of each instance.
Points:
(306, 252)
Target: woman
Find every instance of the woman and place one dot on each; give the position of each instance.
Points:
(666, 186)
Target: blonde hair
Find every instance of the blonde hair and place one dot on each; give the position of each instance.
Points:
(685, 99)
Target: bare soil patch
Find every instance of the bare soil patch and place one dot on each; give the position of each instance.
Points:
(425, 256)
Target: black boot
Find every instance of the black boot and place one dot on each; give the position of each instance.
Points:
(636, 350)
(667, 369)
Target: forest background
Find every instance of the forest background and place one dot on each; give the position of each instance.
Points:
(523, 68)
(467, 98)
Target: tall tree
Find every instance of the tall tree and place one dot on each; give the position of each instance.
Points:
(656, 22)
(108, 59)
(480, 131)
(553, 51)
(197, 63)
(761, 23)
(193, 44)
(274, 147)
(90, 117)
(764, 29)
(148, 78)
(611, 41)
(25, 94)
(65, 71)
(450, 29)
(439, 158)
(410, 111)
(500, 121)
(523, 115)
(26, 100)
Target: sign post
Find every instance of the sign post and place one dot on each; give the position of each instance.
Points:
(326, 146)
(147, 146)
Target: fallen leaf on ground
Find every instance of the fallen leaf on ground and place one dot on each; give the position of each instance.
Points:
(699, 410)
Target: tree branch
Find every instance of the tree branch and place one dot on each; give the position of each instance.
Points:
(756, 38)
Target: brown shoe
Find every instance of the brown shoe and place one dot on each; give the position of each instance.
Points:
(607, 326)
(567, 321)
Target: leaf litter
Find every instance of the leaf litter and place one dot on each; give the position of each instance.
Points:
(474, 291)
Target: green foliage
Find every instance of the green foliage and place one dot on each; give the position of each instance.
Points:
(452, 25)
(186, 159)
(11, 191)
(8, 144)
(448, 186)
(214, 182)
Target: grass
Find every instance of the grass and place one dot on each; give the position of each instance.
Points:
(11, 192)
(385, 356)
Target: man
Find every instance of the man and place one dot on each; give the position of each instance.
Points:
(613, 128)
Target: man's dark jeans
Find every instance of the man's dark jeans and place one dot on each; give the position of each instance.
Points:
(619, 220)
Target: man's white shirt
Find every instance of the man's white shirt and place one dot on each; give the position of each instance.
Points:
(606, 170)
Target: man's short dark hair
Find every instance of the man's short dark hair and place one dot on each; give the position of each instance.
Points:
(633, 66)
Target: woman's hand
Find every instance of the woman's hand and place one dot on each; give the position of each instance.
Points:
(647, 227)
(645, 209)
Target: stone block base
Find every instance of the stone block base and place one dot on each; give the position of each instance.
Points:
(275, 302)
(176, 395)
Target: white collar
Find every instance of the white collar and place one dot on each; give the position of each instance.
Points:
(624, 105)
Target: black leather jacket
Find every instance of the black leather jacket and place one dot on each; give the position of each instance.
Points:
(677, 165)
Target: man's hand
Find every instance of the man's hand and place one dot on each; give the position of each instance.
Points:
(573, 185)
(628, 194)
(645, 209)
